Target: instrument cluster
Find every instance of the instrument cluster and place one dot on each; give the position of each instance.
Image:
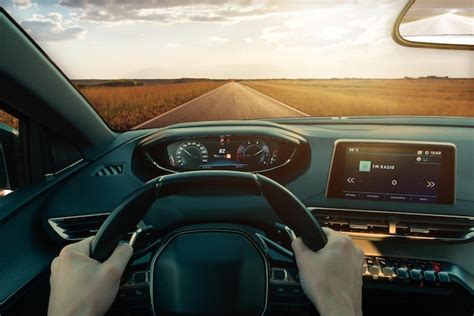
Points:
(223, 152)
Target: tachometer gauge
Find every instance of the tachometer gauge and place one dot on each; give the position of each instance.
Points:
(254, 153)
(191, 154)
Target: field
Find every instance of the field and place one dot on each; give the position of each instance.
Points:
(125, 107)
(125, 104)
(359, 97)
(8, 119)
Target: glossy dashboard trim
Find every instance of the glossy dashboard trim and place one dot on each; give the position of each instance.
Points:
(61, 232)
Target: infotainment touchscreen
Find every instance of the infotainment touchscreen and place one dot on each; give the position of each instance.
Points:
(393, 171)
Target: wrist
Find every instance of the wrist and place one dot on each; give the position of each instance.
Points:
(340, 310)
(85, 310)
(329, 307)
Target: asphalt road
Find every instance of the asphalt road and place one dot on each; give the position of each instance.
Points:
(231, 101)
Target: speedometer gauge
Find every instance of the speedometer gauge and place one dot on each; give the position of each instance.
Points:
(191, 154)
(254, 153)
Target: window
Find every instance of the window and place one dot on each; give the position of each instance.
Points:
(9, 153)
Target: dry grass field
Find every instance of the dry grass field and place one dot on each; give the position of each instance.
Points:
(125, 107)
(359, 97)
(8, 119)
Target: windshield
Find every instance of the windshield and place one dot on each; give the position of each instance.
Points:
(151, 63)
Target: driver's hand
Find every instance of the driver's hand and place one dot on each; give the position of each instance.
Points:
(83, 286)
(332, 277)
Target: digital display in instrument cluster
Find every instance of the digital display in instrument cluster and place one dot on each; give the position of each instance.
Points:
(228, 152)
(404, 172)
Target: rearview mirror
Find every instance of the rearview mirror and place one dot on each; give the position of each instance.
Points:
(436, 24)
(8, 157)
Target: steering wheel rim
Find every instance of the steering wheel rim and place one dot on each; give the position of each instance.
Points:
(129, 212)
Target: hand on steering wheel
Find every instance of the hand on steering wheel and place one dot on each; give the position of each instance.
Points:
(81, 285)
(331, 277)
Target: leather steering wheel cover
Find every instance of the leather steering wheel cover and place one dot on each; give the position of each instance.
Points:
(287, 206)
(293, 213)
(122, 220)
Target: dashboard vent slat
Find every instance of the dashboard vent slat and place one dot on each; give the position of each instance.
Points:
(77, 227)
(395, 224)
(110, 170)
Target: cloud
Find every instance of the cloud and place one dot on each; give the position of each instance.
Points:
(52, 27)
(173, 11)
(338, 27)
(215, 40)
(24, 4)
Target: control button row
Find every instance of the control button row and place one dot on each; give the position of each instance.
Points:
(135, 295)
(287, 290)
(418, 275)
(379, 267)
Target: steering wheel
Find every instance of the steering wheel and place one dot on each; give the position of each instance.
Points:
(213, 269)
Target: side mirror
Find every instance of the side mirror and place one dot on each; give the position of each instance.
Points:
(9, 142)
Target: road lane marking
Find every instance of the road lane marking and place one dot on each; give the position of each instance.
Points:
(275, 100)
(178, 107)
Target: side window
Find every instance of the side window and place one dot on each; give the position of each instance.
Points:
(10, 175)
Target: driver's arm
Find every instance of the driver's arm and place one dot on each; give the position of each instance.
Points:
(83, 286)
(332, 277)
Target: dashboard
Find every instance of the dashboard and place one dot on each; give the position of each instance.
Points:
(422, 246)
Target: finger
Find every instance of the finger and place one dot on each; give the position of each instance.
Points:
(120, 257)
(328, 231)
(54, 264)
(330, 234)
(83, 246)
(299, 247)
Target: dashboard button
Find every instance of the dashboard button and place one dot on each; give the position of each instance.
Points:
(280, 290)
(436, 266)
(402, 273)
(365, 269)
(429, 275)
(374, 270)
(389, 272)
(279, 275)
(443, 277)
(139, 277)
(296, 290)
(416, 275)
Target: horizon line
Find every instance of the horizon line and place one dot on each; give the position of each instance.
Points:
(282, 78)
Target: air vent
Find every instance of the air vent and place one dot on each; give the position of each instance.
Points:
(110, 170)
(77, 227)
(370, 223)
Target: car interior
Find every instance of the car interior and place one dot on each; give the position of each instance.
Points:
(211, 235)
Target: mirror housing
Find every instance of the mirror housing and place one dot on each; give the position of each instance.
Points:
(9, 142)
(432, 21)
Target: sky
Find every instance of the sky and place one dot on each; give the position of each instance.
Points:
(114, 39)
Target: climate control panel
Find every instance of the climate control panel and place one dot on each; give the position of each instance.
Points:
(418, 272)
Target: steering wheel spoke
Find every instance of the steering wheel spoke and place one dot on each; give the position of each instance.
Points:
(210, 268)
